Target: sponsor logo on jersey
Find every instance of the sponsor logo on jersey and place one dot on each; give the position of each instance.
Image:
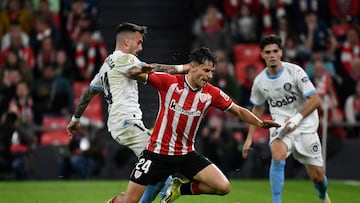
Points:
(176, 107)
(283, 102)
(225, 96)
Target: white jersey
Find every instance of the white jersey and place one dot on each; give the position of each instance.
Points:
(286, 95)
(121, 93)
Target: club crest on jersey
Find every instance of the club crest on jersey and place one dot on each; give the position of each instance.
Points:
(315, 148)
(287, 86)
(225, 96)
(137, 174)
(203, 97)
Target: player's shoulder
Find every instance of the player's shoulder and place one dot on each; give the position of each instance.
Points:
(121, 58)
(291, 66)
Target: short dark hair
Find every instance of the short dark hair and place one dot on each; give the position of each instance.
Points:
(202, 54)
(131, 27)
(270, 39)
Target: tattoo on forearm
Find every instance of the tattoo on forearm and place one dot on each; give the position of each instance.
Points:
(84, 102)
(165, 68)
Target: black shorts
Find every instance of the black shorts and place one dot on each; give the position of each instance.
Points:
(152, 168)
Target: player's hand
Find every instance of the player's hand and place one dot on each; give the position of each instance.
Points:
(270, 124)
(293, 122)
(246, 148)
(72, 128)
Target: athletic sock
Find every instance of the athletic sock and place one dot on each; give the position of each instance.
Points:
(151, 192)
(277, 179)
(190, 188)
(321, 188)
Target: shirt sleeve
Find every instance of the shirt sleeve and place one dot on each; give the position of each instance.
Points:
(256, 96)
(126, 61)
(304, 83)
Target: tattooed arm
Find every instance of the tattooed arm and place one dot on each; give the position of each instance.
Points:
(84, 101)
(172, 69)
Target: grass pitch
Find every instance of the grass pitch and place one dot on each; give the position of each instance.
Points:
(242, 191)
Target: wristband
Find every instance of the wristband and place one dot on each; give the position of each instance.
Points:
(74, 119)
(294, 121)
(179, 68)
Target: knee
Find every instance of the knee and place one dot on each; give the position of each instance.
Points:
(224, 188)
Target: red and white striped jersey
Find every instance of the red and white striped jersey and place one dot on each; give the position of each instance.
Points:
(180, 113)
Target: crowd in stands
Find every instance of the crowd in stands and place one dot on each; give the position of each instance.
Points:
(50, 49)
(322, 36)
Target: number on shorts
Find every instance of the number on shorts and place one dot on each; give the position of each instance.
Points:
(143, 165)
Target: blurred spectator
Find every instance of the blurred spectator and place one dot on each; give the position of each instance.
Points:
(64, 66)
(251, 73)
(301, 7)
(24, 52)
(224, 79)
(43, 28)
(72, 16)
(218, 134)
(349, 51)
(243, 26)
(12, 71)
(14, 147)
(89, 54)
(22, 106)
(45, 55)
(14, 10)
(271, 12)
(49, 9)
(344, 11)
(352, 112)
(316, 34)
(288, 32)
(89, 5)
(318, 54)
(328, 96)
(232, 7)
(85, 156)
(15, 29)
(211, 30)
(52, 95)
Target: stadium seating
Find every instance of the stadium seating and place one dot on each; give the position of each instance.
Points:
(54, 130)
(94, 110)
(240, 69)
(246, 52)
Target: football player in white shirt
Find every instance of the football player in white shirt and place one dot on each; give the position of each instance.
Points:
(121, 93)
(292, 102)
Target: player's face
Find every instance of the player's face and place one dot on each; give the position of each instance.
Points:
(135, 43)
(272, 55)
(202, 73)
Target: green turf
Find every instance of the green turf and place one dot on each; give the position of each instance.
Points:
(243, 191)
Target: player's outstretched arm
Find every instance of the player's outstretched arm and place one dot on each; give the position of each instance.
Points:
(140, 72)
(172, 69)
(247, 116)
(258, 111)
(74, 125)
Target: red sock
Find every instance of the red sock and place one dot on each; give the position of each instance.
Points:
(112, 200)
(195, 188)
